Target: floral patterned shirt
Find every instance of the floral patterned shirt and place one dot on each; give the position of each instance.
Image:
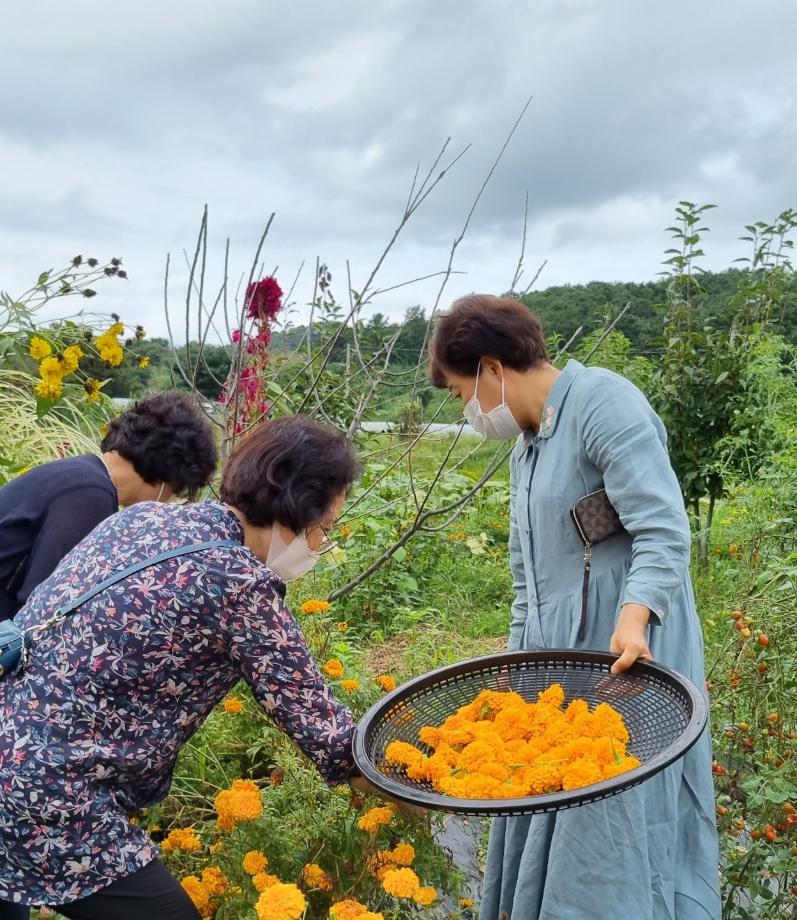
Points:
(90, 731)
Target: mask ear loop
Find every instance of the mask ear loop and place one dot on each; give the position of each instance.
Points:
(163, 486)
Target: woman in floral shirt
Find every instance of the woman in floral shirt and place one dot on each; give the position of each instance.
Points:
(90, 729)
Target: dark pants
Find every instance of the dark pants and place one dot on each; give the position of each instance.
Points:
(152, 893)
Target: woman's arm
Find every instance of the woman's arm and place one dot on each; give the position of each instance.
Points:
(623, 440)
(267, 646)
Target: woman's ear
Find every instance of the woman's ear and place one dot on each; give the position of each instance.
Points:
(491, 366)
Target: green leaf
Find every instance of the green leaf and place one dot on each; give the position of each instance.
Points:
(43, 406)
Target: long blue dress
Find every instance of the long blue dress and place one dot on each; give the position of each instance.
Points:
(650, 853)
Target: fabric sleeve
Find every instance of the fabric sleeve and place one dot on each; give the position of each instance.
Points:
(69, 518)
(623, 441)
(267, 646)
(520, 605)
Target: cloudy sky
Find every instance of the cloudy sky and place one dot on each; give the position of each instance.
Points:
(120, 121)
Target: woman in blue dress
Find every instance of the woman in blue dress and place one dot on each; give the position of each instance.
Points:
(650, 853)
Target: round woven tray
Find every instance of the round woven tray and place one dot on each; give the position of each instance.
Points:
(664, 712)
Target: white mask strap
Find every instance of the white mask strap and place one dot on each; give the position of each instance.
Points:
(163, 486)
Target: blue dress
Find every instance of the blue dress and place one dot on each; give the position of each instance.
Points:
(650, 853)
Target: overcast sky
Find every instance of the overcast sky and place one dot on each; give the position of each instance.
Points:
(120, 121)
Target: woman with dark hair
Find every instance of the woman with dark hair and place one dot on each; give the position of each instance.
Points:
(160, 447)
(91, 726)
(651, 852)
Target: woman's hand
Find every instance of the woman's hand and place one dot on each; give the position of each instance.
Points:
(361, 784)
(628, 640)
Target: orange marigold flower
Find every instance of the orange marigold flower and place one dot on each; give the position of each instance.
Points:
(281, 902)
(377, 817)
(401, 883)
(403, 854)
(466, 902)
(255, 862)
(378, 863)
(314, 877)
(347, 910)
(215, 880)
(314, 605)
(386, 682)
(333, 668)
(199, 893)
(233, 706)
(350, 685)
(425, 896)
(262, 880)
(184, 838)
(241, 802)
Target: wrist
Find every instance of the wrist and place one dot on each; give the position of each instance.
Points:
(635, 615)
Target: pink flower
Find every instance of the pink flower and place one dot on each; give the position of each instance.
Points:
(236, 336)
(264, 298)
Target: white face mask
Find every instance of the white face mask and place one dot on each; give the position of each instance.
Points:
(290, 560)
(498, 423)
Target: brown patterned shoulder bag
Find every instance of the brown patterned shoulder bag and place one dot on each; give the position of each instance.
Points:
(595, 520)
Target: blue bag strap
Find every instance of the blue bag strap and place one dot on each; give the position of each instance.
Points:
(137, 567)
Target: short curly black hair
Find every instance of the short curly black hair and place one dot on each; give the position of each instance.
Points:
(167, 439)
(288, 470)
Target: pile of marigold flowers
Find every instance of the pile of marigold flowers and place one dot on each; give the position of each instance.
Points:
(501, 746)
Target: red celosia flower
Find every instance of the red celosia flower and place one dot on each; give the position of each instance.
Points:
(264, 298)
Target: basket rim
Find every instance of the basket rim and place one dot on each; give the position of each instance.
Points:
(550, 801)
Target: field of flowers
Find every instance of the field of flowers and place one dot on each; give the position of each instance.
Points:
(249, 827)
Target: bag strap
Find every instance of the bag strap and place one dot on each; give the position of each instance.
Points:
(137, 567)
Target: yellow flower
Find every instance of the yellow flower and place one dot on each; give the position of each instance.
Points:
(116, 329)
(70, 360)
(347, 910)
(386, 682)
(342, 627)
(333, 668)
(403, 854)
(314, 877)
(377, 817)
(199, 894)
(143, 362)
(112, 355)
(241, 802)
(466, 903)
(425, 896)
(262, 880)
(215, 880)
(281, 902)
(182, 839)
(255, 862)
(233, 706)
(350, 685)
(315, 606)
(401, 883)
(38, 348)
(51, 367)
(92, 388)
(50, 388)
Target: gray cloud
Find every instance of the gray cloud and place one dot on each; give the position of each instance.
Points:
(119, 125)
